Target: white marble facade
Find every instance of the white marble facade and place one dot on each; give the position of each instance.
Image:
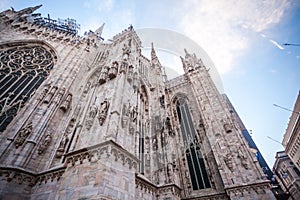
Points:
(100, 122)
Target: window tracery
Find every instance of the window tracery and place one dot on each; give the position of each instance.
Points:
(194, 157)
(23, 68)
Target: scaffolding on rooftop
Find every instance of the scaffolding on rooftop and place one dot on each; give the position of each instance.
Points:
(67, 25)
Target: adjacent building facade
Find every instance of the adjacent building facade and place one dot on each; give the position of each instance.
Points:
(291, 139)
(287, 163)
(86, 119)
(287, 175)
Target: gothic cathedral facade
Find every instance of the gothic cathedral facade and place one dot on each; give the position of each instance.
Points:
(86, 119)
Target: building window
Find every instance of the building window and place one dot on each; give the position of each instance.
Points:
(297, 171)
(195, 160)
(23, 68)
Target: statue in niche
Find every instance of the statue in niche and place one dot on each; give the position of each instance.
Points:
(50, 95)
(131, 129)
(154, 144)
(123, 67)
(44, 144)
(66, 103)
(227, 128)
(62, 146)
(113, 70)
(162, 101)
(126, 51)
(169, 127)
(243, 158)
(125, 113)
(103, 75)
(86, 89)
(93, 111)
(170, 172)
(22, 135)
(103, 111)
(130, 73)
(228, 159)
(44, 92)
(133, 113)
(91, 116)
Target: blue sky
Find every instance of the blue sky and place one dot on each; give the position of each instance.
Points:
(243, 38)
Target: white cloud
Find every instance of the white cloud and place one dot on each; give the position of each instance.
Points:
(221, 26)
(104, 5)
(276, 44)
(115, 19)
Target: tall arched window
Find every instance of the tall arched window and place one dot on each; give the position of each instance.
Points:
(23, 68)
(194, 156)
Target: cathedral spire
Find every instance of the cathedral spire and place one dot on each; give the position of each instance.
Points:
(99, 31)
(154, 58)
(28, 10)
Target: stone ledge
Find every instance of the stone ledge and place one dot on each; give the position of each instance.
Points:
(100, 151)
(29, 178)
(258, 187)
(149, 187)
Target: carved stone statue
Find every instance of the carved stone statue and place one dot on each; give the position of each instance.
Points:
(243, 158)
(62, 146)
(91, 116)
(50, 95)
(126, 51)
(44, 144)
(133, 113)
(103, 75)
(170, 172)
(103, 111)
(112, 73)
(66, 103)
(228, 159)
(22, 135)
(169, 126)
(227, 128)
(162, 101)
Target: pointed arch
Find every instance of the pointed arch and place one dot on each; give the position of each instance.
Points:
(194, 157)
